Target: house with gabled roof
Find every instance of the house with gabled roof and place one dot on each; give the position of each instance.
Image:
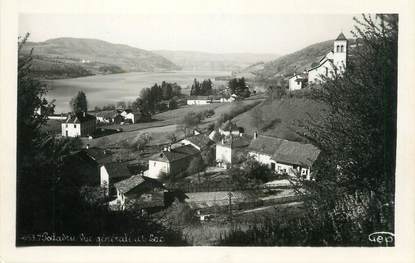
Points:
(283, 156)
(172, 160)
(138, 192)
(79, 125)
(200, 141)
(94, 166)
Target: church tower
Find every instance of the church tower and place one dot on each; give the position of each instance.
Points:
(340, 52)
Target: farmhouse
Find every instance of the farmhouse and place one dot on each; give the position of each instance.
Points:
(333, 62)
(79, 124)
(172, 161)
(130, 116)
(284, 156)
(138, 192)
(200, 100)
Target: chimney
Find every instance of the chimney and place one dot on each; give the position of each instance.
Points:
(169, 148)
(105, 151)
(223, 142)
(87, 146)
(84, 114)
(255, 135)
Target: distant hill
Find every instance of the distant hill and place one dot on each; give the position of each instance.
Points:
(194, 60)
(73, 57)
(294, 62)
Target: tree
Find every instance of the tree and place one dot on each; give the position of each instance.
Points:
(121, 105)
(357, 133)
(39, 156)
(195, 90)
(143, 140)
(196, 165)
(146, 100)
(172, 137)
(191, 120)
(239, 87)
(172, 104)
(79, 103)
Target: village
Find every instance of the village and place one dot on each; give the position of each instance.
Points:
(216, 168)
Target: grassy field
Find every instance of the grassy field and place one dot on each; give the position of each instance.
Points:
(280, 118)
(165, 124)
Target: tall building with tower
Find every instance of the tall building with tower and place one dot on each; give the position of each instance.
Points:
(333, 62)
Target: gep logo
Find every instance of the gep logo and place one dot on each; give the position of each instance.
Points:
(382, 238)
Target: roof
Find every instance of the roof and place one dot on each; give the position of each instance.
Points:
(321, 64)
(175, 154)
(296, 153)
(200, 140)
(341, 37)
(132, 182)
(128, 184)
(285, 151)
(236, 141)
(155, 199)
(265, 144)
(117, 170)
(79, 117)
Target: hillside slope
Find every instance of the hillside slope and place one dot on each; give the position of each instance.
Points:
(294, 62)
(280, 118)
(204, 61)
(79, 57)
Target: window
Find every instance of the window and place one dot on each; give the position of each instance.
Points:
(154, 164)
(327, 71)
(337, 48)
(341, 48)
(74, 125)
(66, 125)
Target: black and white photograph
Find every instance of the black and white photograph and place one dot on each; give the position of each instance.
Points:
(213, 130)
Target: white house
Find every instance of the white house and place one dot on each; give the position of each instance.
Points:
(333, 62)
(284, 156)
(113, 172)
(171, 161)
(200, 100)
(79, 124)
(133, 117)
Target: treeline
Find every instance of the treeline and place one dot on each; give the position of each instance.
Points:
(204, 88)
(158, 98)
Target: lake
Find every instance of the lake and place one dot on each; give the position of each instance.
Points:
(104, 89)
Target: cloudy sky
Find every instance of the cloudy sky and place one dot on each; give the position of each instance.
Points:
(219, 33)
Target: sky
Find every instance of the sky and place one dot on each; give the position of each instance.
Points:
(218, 33)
